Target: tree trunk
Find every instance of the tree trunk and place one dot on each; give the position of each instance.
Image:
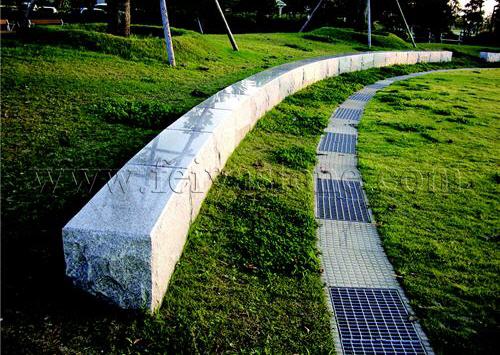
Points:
(119, 22)
(89, 4)
(25, 15)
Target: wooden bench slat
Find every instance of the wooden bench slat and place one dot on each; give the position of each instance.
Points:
(7, 25)
(46, 22)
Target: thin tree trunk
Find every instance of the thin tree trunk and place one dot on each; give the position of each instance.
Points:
(119, 22)
(89, 4)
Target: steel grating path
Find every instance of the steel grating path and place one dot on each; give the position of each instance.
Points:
(370, 313)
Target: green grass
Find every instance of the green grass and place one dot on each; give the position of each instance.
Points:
(343, 35)
(77, 98)
(429, 155)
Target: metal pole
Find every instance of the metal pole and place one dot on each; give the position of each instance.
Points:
(29, 7)
(369, 15)
(228, 30)
(199, 25)
(166, 31)
(310, 17)
(406, 24)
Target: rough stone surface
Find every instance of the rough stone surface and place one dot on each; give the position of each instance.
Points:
(124, 244)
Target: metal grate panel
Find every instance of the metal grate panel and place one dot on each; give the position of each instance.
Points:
(353, 104)
(360, 96)
(374, 321)
(343, 189)
(378, 86)
(338, 142)
(341, 200)
(348, 114)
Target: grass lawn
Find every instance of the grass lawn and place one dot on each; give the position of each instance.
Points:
(77, 98)
(429, 155)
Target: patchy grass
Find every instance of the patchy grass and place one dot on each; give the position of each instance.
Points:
(296, 157)
(79, 105)
(429, 156)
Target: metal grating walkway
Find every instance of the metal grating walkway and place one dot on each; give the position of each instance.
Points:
(362, 96)
(338, 142)
(341, 200)
(344, 113)
(371, 313)
(374, 321)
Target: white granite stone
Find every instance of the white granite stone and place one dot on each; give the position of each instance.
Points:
(424, 57)
(333, 67)
(202, 119)
(124, 244)
(293, 80)
(355, 62)
(309, 74)
(172, 149)
(345, 64)
(412, 57)
(224, 100)
(379, 59)
(367, 61)
(402, 58)
(391, 58)
(435, 57)
(446, 56)
(108, 244)
(490, 57)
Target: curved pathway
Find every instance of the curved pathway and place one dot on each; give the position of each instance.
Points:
(371, 314)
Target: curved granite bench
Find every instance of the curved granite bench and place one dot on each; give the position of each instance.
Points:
(124, 244)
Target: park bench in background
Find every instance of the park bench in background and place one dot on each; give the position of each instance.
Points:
(451, 40)
(35, 22)
(5, 26)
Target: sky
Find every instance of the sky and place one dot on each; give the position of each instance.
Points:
(488, 6)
